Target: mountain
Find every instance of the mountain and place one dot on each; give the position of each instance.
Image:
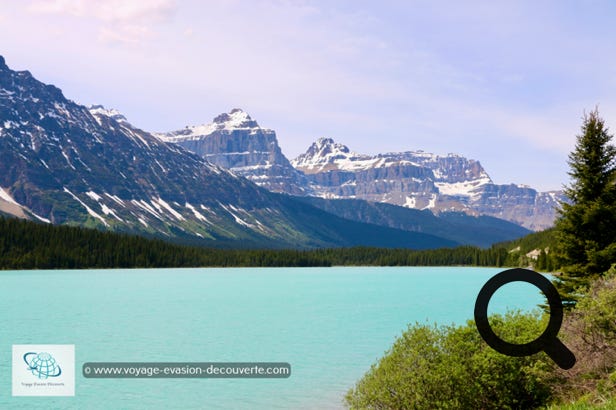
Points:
(413, 179)
(420, 180)
(482, 231)
(236, 142)
(66, 164)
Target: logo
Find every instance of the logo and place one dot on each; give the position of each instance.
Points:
(42, 365)
(43, 370)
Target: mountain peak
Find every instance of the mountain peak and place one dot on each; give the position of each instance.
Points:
(111, 113)
(235, 141)
(322, 155)
(236, 118)
(326, 146)
(327, 149)
(2, 63)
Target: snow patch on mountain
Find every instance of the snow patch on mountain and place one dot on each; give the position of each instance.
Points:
(410, 202)
(5, 195)
(470, 188)
(90, 211)
(93, 195)
(236, 119)
(12, 207)
(197, 214)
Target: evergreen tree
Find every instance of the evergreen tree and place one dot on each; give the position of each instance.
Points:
(586, 228)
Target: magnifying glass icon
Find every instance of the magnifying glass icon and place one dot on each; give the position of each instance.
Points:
(547, 342)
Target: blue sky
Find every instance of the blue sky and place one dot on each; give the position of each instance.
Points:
(505, 83)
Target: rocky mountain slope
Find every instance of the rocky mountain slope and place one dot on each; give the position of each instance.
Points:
(420, 180)
(66, 164)
(236, 142)
(482, 231)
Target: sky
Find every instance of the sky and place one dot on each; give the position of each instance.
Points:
(503, 82)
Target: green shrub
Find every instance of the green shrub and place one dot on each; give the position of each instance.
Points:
(589, 331)
(598, 307)
(451, 367)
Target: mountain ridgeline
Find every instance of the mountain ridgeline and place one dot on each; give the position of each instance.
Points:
(226, 184)
(413, 179)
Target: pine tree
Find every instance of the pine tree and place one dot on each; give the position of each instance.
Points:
(586, 228)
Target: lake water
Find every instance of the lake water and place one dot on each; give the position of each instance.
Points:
(330, 324)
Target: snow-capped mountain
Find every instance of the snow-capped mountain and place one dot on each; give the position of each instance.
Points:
(416, 179)
(413, 179)
(63, 163)
(236, 142)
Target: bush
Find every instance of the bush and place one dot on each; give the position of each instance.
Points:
(590, 332)
(451, 367)
(598, 308)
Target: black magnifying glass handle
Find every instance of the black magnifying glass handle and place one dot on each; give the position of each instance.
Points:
(560, 353)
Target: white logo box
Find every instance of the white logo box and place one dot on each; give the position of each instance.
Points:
(43, 370)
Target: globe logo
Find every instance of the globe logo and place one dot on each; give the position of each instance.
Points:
(42, 365)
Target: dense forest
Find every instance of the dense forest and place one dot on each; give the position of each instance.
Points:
(536, 249)
(30, 245)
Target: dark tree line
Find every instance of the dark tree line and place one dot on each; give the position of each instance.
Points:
(30, 245)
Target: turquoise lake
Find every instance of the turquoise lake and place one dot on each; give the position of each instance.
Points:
(330, 324)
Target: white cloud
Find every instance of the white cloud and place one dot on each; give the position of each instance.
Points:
(109, 10)
(128, 22)
(72, 7)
